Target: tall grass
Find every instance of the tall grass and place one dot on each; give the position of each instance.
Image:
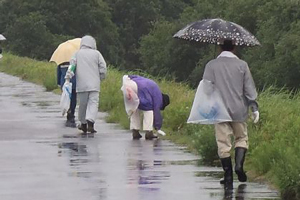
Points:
(274, 141)
(39, 72)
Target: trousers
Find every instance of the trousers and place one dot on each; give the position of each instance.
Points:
(224, 132)
(88, 106)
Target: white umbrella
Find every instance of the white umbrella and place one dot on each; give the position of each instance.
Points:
(2, 37)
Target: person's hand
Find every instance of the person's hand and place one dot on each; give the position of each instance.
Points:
(255, 117)
(67, 80)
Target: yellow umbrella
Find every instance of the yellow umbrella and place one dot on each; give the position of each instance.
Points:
(65, 51)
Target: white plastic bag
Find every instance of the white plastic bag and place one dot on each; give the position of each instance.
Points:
(131, 99)
(208, 106)
(65, 98)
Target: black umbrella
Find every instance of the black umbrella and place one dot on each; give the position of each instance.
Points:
(216, 31)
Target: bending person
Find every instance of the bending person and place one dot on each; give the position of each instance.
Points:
(151, 102)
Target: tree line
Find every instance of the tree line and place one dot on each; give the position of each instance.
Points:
(137, 34)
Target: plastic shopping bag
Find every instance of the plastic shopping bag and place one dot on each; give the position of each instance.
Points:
(131, 100)
(65, 98)
(208, 106)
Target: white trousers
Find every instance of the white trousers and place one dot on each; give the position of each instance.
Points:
(88, 106)
(135, 120)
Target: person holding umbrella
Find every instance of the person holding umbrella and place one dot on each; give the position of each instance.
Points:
(233, 79)
(61, 56)
(90, 69)
(61, 73)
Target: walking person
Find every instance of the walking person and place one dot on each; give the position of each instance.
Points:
(150, 102)
(232, 77)
(61, 73)
(90, 69)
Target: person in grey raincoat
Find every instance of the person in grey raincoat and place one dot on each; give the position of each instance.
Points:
(90, 68)
(233, 79)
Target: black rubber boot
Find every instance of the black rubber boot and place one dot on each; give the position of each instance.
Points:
(240, 154)
(71, 123)
(228, 174)
(136, 134)
(149, 135)
(83, 128)
(90, 127)
(70, 120)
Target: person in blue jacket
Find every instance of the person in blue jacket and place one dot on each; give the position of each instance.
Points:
(61, 73)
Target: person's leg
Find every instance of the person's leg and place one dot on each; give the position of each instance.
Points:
(71, 112)
(83, 100)
(241, 146)
(92, 110)
(223, 132)
(135, 124)
(148, 124)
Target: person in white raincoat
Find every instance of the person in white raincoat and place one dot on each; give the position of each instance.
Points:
(233, 79)
(90, 68)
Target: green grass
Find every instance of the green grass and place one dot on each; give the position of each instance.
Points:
(274, 141)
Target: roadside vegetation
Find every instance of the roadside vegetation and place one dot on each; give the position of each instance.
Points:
(274, 141)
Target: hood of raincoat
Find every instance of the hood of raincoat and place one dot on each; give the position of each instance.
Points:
(88, 42)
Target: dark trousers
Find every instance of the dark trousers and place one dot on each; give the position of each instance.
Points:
(71, 111)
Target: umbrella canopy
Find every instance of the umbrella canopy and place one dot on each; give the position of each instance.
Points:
(216, 31)
(65, 51)
(2, 37)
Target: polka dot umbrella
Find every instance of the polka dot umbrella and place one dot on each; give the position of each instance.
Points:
(216, 31)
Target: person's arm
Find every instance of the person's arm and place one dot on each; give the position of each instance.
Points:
(157, 121)
(71, 69)
(250, 90)
(102, 67)
(251, 94)
(208, 79)
(157, 104)
(209, 73)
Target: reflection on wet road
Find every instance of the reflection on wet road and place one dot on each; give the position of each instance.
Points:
(42, 159)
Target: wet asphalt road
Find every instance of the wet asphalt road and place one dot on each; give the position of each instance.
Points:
(41, 159)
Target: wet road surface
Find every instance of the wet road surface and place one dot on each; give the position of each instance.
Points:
(43, 160)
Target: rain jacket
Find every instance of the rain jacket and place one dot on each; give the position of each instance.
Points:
(61, 73)
(89, 66)
(234, 81)
(150, 98)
